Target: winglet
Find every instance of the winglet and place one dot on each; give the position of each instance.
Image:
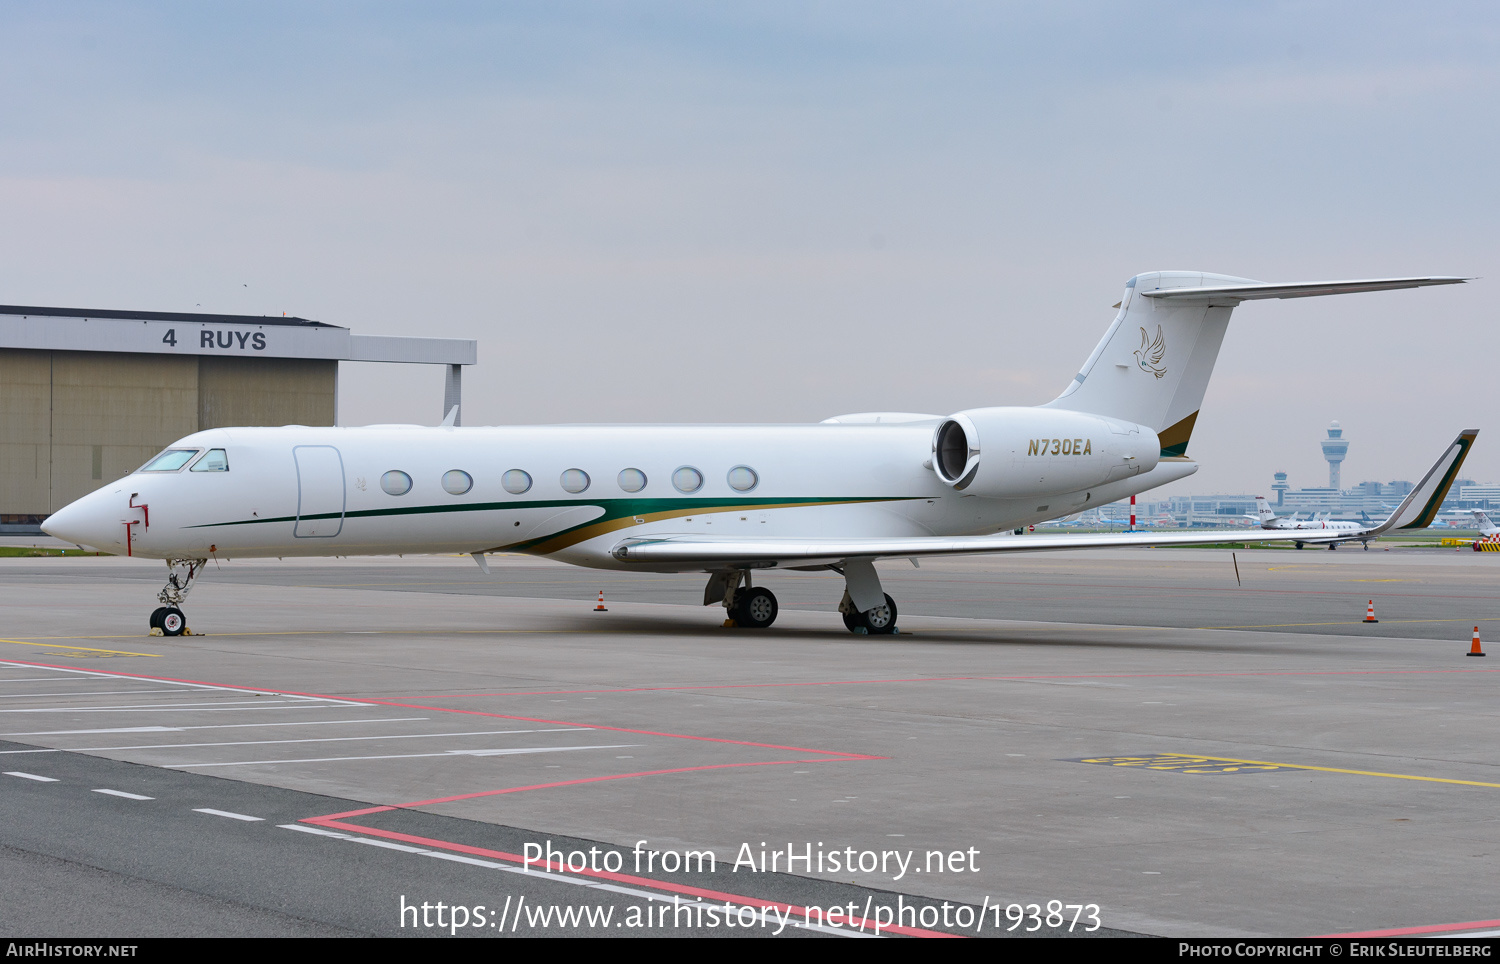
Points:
(1421, 505)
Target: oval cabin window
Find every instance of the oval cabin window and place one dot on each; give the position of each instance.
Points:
(687, 479)
(742, 478)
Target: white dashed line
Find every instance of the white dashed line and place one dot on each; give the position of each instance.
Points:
(127, 796)
(30, 776)
(226, 813)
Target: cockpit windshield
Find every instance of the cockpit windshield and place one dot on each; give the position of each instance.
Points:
(215, 461)
(169, 461)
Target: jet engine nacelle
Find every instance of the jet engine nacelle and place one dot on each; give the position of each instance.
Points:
(1002, 453)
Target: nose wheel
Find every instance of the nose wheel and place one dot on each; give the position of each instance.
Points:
(170, 620)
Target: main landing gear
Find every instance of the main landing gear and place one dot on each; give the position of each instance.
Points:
(747, 606)
(866, 609)
(168, 619)
(879, 621)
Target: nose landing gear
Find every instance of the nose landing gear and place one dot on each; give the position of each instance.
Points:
(168, 619)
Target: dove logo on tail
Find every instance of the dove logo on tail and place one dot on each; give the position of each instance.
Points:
(1151, 353)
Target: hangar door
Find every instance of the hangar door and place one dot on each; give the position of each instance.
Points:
(320, 491)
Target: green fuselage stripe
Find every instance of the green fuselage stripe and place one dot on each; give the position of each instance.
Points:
(613, 508)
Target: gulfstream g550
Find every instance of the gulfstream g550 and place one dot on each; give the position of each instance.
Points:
(724, 500)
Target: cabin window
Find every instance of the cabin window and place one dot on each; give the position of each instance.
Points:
(687, 479)
(632, 480)
(742, 478)
(516, 481)
(215, 461)
(575, 480)
(395, 482)
(457, 481)
(170, 461)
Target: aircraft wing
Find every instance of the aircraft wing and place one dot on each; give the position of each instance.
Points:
(718, 552)
(1416, 511)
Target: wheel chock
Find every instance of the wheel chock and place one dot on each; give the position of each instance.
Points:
(156, 631)
(730, 624)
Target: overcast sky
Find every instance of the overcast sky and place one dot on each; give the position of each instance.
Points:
(783, 211)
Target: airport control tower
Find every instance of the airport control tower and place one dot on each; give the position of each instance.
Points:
(1279, 487)
(1335, 447)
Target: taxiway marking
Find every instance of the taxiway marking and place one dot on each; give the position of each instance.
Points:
(1360, 773)
(214, 726)
(330, 739)
(122, 793)
(51, 645)
(30, 776)
(228, 813)
(401, 756)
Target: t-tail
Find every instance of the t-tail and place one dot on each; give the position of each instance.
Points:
(1153, 364)
(1263, 510)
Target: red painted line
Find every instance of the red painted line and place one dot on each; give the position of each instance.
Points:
(643, 882)
(1426, 929)
(945, 679)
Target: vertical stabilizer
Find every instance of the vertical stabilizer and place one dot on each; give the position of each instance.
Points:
(1153, 364)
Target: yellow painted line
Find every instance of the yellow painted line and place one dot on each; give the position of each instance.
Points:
(90, 649)
(1360, 773)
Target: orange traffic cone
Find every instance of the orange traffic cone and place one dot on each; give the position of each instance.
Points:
(1474, 649)
(600, 608)
(1370, 613)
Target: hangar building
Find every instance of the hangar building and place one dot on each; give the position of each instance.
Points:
(87, 396)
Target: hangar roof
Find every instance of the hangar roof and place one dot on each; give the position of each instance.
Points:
(25, 310)
(246, 336)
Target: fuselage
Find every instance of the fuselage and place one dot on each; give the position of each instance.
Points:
(566, 491)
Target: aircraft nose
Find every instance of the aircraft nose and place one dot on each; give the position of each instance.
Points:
(90, 521)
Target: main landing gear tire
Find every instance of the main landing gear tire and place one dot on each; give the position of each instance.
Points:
(156, 615)
(1300, 545)
(756, 609)
(173, 622)
(880, 621)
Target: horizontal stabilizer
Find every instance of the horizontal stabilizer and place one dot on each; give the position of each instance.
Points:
(1235, 293)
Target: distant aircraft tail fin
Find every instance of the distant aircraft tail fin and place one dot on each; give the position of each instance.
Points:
(1421, 505)
(1486, 527)
(1263, 510)
(1153, 364)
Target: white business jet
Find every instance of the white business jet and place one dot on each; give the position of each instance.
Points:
(725, 500)
(1318, 530)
